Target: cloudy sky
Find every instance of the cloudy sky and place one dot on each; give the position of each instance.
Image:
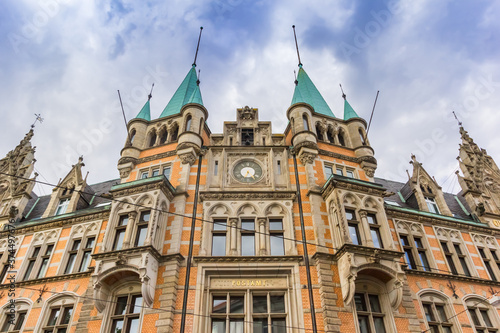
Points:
(66, 59)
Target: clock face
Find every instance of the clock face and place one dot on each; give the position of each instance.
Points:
(247, 171)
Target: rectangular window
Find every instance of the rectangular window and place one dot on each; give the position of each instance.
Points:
(431, 204)
(142, 228)
(407, 248)
(126, 315)
(247, 237)
(166, 172)
(487, 263)
(219, 237)
(340, 171)
(62, 206)
(369, 313)
(374, 230)
(461, 259)
(72, 256)
(276, 237)
(45, 261)
(353, 226)
(278, 167)
(247, 136)
(437, 318)
(59, 319)
(328, 171)
(349, 173)
(449, 258)
(4, 271)
(144, 174)
(87, 252)
(31, 262)
(156, 172)
(216, 168)
(120, 232)
(421, 254)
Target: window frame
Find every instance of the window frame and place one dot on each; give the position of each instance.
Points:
(491, 259)
(22, 306)
(33, 263)
(431, 299)
(127, 316)
(449, 240)
(62, 206)
(476, 309)
(413, 231)
(431, 202)
(141, 225)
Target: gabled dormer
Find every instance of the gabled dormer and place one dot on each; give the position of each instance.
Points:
(71, 194)
(480, 182)
(422, 191)
(15, 186)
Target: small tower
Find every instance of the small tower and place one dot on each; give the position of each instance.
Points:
(16, 190)
(480, 182)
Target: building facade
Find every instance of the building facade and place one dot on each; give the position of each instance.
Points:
(250, 231)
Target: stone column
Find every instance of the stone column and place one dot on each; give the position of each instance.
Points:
(262, 236)
(233, 222)
(364, 227)
(132, 216)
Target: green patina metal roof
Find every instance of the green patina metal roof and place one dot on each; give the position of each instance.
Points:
(188, 92)
(145, 112)
(349, 111)
(306, 92)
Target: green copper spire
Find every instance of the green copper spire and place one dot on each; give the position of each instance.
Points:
(306, 92)
(349, 111)
(145, 112)
(188, 92)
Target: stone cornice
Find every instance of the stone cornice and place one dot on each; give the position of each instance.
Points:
(130, 251)
(239, 195)
(416, 217)
(367, 251)
(232, 259)
(156, 156)
(45, 280)
(144, 185)
(451, 277)
(61, 221)
(352, 185)
(337, 155)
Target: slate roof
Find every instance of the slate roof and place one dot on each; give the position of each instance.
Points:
(402, 192)
(37, 205)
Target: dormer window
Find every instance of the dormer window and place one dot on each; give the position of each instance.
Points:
(432, 205)
(62, 206)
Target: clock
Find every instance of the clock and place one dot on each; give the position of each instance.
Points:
(247, 171)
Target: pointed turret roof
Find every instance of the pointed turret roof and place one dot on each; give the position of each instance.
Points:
(306, 92)
(349, 111)
(145, 112)
(188, 92)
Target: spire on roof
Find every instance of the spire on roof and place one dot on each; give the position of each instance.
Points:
(306, 92)
(145, 112)
(348, 110)
(188, 92)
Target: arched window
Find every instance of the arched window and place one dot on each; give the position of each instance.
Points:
(483, 318)
(163, 136)
(152, 138)
(341, 138)
(319, 132)
(132, 136)
(58, 314)
(201, 126)
(293, 126)
(188, 123)
(305, 122)
(174, 133)
(362, 136)
(437, 312)
(16, 322)
(329, 135)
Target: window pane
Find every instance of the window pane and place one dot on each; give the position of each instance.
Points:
(464, 266)
(486, 318)
(156, 172)
(409, 259)
(237, 304)
(36, 252)
(145, 216)
(20, 321)
(71, 263)
(49, 249)
(275, 225)
(429, 315)
(363, 324)
(123, 220)
(353, 232)
(474, 317)
(404, 241)
(442, 313)
(220, 225)
(349, 214)
(166, 172)
(117, 326)
(277, 246)
(76, 245)
(379, 324)
(236, 326)
(66, 316)
(121, 305)
(425, 262)
(133, 326)
(349, 174)
(359, 300)
(278, 325)
(141, 235)
(119, 239)
(29, 269)
(247, 225)
(90, 243)
(85, 261)
(374, 303)
(218, 326)
(43, 268)
(340, 172)
(6, 325)
(247, 245)
(219, 304)
(260, 325)
(54, 314)
(219, 245)
(377, 242)
(278, 304)
(136, 304)
(260, 304)
(371, 219)
(418, 243)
